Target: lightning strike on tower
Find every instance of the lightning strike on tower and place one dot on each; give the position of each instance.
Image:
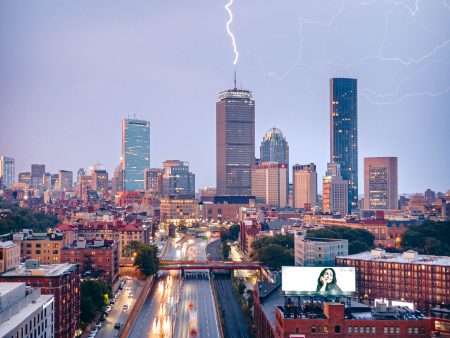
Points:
(233, 41)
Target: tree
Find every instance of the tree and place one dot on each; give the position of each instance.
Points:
(275, 256)
(226, 251)
(358, 239)
(234, 232)
(147, 260)
(285, 241)
(93, 297)
(429, 238)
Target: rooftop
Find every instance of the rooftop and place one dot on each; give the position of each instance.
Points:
(7, 244)
(52, 270)
(408, 257)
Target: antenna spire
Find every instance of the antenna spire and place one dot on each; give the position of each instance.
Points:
(235, 79)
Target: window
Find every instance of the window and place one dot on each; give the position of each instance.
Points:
(391, 329)
(313, 328)
(397, 330)
(374, 330)
(386, 330)
(349, 329)
(361, 329)
(367, 329)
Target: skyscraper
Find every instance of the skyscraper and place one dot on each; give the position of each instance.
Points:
(269, 184)
(135, 153)
(177, 179)
(335, 191)
(65, 180)
(7, 171)
(235, 141)
(304, 178)
(380, 183)
(37, 175)
(153, 180)
(344, 133)
(274, 147)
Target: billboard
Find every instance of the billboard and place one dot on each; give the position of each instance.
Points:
(299, 280)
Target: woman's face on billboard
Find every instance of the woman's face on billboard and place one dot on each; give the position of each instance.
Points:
(328, 276)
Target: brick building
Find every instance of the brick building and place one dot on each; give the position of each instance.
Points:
(100, 257)
(60, 280)
(277, 316)
(421, 279)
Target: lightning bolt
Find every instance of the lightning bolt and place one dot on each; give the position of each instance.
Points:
(233, 41)
(371, 95)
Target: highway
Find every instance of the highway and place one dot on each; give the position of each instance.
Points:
(197, 293)
(156, 314)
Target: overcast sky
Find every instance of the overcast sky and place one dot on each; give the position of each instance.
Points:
(71, 70)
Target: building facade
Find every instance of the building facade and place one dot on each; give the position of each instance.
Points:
(269, 184)
(135, 153)
(380, 183)
(311, 251)
(37, 175)
(7, 171)
(9, 256)
(25, 312)
(421, 279)
(344, 133)
(179, 210)
(100, 180)
(235, 142)
(177, 179)
(304, 179)
(65, 180)
(60, 280)
(153, 180)
(335, 191)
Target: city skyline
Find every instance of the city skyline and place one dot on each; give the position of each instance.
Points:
(73, 96)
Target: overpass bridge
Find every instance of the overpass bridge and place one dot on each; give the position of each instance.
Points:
(207, 265)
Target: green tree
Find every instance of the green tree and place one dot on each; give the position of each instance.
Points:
(93, 297)
(429, 238)
(285, 241)
(275, 256)
(358, 239)
(226, 251)
(234, 232)
(147, 260)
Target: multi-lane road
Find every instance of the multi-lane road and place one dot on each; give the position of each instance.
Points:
(183, 305)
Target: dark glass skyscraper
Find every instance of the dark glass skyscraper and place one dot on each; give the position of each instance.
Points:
(344, 132)
(135, 153)
(235, 141)
(274, 147)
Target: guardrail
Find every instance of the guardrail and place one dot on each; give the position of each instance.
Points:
(140, 299)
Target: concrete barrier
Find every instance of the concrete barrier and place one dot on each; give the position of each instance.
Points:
(127, 325)
(216, 302)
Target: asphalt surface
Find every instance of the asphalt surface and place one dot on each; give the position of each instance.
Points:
(117, 313)
(233, 318)
(197, 293)
(156, 313)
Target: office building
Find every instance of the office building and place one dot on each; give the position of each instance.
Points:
(100, 180)
(304, 179)
(335, 191)
(135, 153)
(312, 251)
(177, 179)
(25, 312)
(179, 210)
(269, 184)
(25, 178)
(380, 183)
(235, 142)
(408, 276)
(65, 180)
(37, 175)
(274, 147)
(7, 171)
(117, 180)
(344, 133)
(60, 280)
(153, 180)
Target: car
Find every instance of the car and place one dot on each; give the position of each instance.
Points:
(102, 317)
(98, 325)
(112, 301)
(125, 307)
(117, 325)
(91, 335)
(130, 295)
(108, 309)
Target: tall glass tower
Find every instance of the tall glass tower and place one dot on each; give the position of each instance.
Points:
(274, 147)
(135, 153)
(7, 171)
(344, 133)
(235, 142)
